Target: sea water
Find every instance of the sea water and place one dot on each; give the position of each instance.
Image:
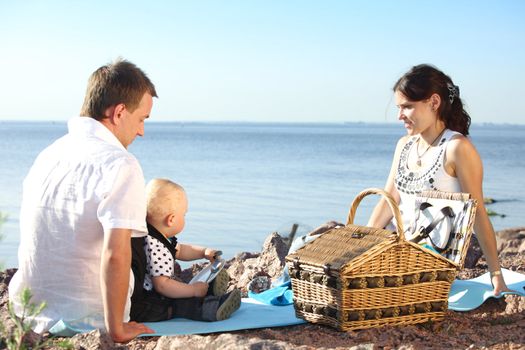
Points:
(246, 180)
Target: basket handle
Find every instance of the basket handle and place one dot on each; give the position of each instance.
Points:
(391, 203)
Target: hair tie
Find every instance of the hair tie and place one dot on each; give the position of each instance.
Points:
(453, 92)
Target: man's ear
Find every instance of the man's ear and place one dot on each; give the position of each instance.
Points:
(118, 112)
(114, 113)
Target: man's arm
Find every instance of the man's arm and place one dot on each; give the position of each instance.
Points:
(114, 274)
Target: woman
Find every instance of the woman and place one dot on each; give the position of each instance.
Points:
(436, 155)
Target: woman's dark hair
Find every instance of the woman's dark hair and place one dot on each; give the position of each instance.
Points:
(424, 80)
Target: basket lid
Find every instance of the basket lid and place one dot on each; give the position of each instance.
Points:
(339, 246)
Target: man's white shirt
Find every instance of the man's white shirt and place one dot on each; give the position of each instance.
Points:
(78, 189)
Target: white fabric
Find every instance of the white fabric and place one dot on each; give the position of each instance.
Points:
(80, 187)
(410, 182)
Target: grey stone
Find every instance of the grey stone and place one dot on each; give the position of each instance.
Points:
(94, 340)
(270, 262)
(223, 342)
(272, 258)
(515, 304)
(510, 242)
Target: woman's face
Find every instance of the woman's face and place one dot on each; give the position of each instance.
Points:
(417, 116)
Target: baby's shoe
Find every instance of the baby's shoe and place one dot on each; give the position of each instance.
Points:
(219, 284)
(228, 304)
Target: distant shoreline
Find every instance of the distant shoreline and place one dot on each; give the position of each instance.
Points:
(263, 123)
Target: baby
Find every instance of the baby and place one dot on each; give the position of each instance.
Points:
(163, 296)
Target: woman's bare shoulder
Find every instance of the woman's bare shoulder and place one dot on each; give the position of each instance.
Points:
(461, 147)
(461, 143)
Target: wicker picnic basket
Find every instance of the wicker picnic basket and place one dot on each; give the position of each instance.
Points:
(356, 277)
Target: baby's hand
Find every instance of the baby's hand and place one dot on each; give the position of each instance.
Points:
(200, 289)
(210, 254)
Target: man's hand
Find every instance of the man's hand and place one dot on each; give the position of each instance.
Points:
(199, 289)
(129, 331)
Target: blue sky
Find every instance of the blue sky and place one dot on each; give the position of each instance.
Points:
(290, 61)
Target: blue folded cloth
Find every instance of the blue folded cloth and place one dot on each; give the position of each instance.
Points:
(281, 291)
(279, 295)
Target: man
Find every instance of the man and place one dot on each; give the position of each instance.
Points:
(83, 200)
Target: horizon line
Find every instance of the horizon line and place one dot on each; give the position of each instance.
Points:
(154, 121)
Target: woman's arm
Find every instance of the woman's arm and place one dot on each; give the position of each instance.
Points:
(382, 214)
(464, 161)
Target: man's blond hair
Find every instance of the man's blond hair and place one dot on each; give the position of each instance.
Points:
(163, 197)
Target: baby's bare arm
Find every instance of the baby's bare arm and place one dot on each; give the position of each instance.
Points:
(189, 252)
(175, 289)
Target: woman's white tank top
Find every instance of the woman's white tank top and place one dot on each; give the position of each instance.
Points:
(432, 176)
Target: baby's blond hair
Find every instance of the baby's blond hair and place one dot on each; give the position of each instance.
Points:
(163, 196)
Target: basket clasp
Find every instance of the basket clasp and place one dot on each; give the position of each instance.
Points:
(296, 263)
(358, 235)
(326, 269)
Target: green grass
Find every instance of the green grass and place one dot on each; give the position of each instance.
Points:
(15, 339)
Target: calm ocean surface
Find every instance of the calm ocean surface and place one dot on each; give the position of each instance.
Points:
(247, 180)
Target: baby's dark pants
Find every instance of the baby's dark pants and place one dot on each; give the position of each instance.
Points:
(152, 307)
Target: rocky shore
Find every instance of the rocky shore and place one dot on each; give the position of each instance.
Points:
(497, 324)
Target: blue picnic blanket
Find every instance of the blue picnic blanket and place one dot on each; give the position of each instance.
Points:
(466, 295)
(251, 314)
(273, 308)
